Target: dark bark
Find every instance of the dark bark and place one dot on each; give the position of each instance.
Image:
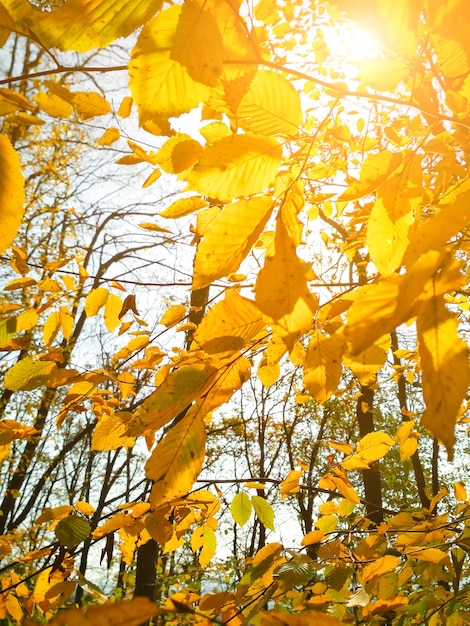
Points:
(371, 477)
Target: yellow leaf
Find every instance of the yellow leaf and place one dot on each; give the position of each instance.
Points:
(306, 618)
(445, 369)
(112, 309)
(314, 536)
(290, 484)
(375, 169)
(239, 165)
(173, 315)
(460, 492)
(82, 25)
(25, 119)
(183, 206)
(109, 137)
(204, 539)
(380, 307)
(367, 363)
(160, 85)
(53, 105)
(370, 448)
(408, 448)
(154, 176)
(241, 508)
(95, 300)
(270, 106)
(282, 292)
(126, 613)
(379, 567)
(90, 104)
(126, 382)
(180, 388)
(14, 608)
(54, 513)
(11, 193)
(125, 107)
(110, 434)
(322, 368)
(229, 238)
(264, 511)
(229, 325)
(198, 44)
(84, 507)
(20, 283)
(29, 374)
(26, 320)
(66, 322)
(51, 327)
(268, 374)
(430, 555)
(384, 74)
(346, 489)
(177, 460)
(392, 215)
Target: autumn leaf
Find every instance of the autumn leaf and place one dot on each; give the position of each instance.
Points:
(28, 374)
(379, 567)
(446, 373)
(126, 613)
(322, 366)
(12, 195)
(239, 165)
(241, 508)
(282, 292)
(177, 460)
(229, 238)
(82, 24)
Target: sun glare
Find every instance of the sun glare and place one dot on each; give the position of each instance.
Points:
(353, 43)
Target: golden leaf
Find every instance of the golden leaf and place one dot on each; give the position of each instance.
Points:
(379, 567)
(112, 308)
(198, 44)
(183, 206)
(126, 613)
(239, 165)
(229, 325)
(173, 315)
(28, 374)
(322, 368)
(177, 460)
(445, 369)
(95, 300)
(160, 85)
(180, 388)
(110, 434)
(11, 193)
(270, 106)
(110, 136)
(282, 292)
(54, 105)
(229, 238)
(178, 153)
(90, 104)
(82, 25)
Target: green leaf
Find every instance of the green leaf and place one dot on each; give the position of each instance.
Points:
(294, 573)
(264, 511)
(241, 508)
(72, 530)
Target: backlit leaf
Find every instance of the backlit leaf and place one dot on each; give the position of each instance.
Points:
(445, 369)
(229, 325)
(110, 434)
(198, 43)
(229, 238)
(83, 24)
(160, 85)
(173, 315)
(271, 105)
(282, 292)
(177, 460)
(322, 368)
(126, 613)
(264, 511)
(241, 508)
(173, 396)
(29, 374)
(90, 104)
(95, 300)
(112, 309)
(204, 539)
(239, 165)
(11, 193)
(72, 530)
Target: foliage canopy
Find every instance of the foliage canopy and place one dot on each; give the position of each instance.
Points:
(331, 202)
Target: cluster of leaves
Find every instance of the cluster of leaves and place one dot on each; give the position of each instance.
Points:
(279, 142)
